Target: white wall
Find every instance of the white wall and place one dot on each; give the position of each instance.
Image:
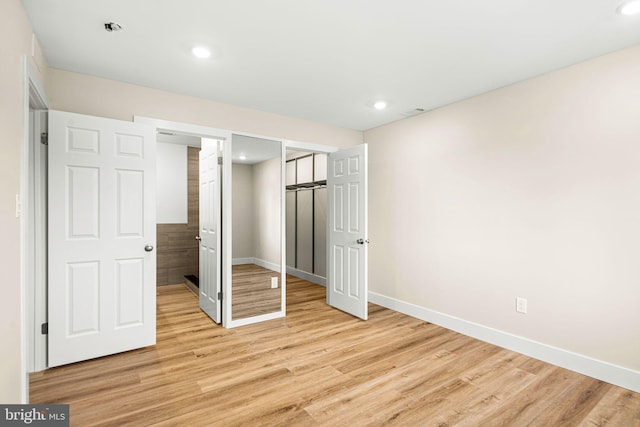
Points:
(532, 190)
(242, 211)
(171, 184)
(15, 41)
(267, 184)
(80, 93)
(256, 211)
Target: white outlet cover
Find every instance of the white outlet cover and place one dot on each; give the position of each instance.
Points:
(521, 305)
(274, 282)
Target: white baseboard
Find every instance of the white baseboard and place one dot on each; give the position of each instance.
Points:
(318, 280)
(585, 365)
(242, 261)
(256, 261)
(267, 264)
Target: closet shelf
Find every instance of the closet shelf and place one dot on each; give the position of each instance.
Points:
(305, 185)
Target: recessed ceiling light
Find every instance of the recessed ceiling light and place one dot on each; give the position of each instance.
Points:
(242, 157)
(380, 105)
(630, 8)
(201, 52)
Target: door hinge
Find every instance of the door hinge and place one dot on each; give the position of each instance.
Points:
(219, 296)
(219, 160)
(44, 138)
(44, 328)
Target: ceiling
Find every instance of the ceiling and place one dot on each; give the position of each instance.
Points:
(329, 60)
(249, 150)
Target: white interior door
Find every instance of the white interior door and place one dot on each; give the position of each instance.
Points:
(347, 282)
(209, 226)
(102, 232)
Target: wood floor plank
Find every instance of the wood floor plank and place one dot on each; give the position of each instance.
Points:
(319, 366)
(252, 292)
(619, 407)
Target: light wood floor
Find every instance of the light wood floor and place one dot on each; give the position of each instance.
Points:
(252, 292)
(319, 366)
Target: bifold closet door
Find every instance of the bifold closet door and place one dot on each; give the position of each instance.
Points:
(320, 232)
(291, 229)
(304, 235)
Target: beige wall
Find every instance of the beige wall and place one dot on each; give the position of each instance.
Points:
(177, 250)
(242, 211)
(531, 191)
(267, 184)
(15, 41)
(84, 94)
(256, 211)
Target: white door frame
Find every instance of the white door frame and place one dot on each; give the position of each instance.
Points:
(317, 148)
(283, 250)
(225, 136)
(226, 248)
(33, 301)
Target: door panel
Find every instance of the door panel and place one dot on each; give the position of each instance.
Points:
(320, 231)
(347, 285)
(209, 226)
(102, 281)
(291, 228)
(304, 231)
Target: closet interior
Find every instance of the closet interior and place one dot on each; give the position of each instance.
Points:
(306, 213)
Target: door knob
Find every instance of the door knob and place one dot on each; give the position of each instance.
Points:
(148, 248)
(362, 241)
(198, 238)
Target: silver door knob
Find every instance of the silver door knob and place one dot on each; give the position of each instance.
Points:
(148, 248)
(198, 238)
(362, 241)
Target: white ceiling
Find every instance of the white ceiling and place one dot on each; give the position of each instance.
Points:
(255, 150)
(329, 60)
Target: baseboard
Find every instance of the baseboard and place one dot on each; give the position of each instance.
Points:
(267, 264)
(318, 280)
(585, 365)
(242, 261)
(262, 263)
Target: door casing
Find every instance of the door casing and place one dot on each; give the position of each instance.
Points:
(33, 266)
(226, 244)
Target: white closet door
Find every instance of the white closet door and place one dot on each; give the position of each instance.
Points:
(347, 284)
(209, 270)
(102, 232)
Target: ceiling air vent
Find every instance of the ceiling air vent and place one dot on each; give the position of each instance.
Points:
(112, 27)
(413, 112)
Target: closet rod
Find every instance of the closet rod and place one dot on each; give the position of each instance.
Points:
(307, 185)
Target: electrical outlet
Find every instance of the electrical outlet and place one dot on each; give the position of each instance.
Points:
(274, 282)
(521, 305)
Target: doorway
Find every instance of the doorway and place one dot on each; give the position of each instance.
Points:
(306, 185)
(35, 209)
(268, 253)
